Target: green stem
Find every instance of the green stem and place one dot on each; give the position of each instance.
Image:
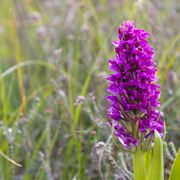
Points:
(139, 165)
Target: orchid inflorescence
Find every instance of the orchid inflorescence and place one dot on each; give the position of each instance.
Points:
(133, 89)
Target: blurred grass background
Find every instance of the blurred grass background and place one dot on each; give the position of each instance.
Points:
(53, 66)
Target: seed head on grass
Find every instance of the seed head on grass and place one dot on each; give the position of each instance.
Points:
(133, 89)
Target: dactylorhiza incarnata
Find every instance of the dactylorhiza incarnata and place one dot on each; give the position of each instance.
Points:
(133, 89)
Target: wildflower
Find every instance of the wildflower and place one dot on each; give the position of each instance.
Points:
(79, 100)
(35, 16)
(133, 88)
(57, 53)
(41, 31)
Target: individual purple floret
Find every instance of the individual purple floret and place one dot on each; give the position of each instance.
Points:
(133, 88)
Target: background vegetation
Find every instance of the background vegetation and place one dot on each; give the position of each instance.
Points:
(53, 66)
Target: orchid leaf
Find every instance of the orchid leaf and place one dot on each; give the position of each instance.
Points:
(139, 165)
(147, 160)
(175, 171)
(157, 166)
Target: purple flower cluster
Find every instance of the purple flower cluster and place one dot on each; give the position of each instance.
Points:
(133, 88)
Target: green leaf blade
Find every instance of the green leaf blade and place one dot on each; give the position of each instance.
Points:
(175, 171)
(157, 165)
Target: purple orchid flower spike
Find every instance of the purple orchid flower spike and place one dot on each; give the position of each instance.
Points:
(133, 89)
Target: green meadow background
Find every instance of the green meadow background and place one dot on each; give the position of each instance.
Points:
(53, 69)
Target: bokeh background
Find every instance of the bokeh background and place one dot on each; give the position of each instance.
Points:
(53, 69)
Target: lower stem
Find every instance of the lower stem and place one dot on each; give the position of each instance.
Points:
(139, 165)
